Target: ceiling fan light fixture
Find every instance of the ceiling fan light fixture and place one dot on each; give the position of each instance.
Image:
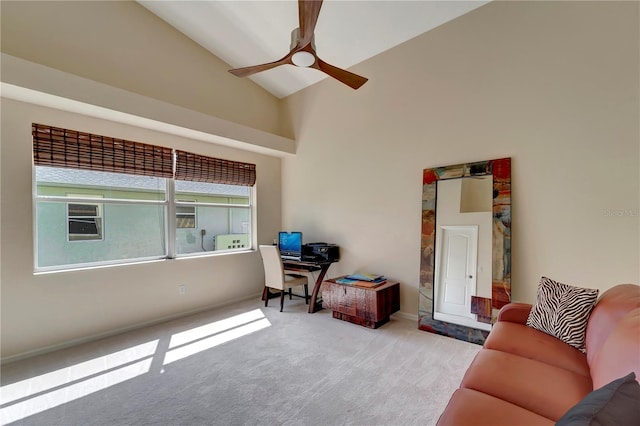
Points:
(303, 50)
(303, 59)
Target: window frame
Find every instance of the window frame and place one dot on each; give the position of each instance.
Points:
(73, 149)
(169, 204)
(250, 206)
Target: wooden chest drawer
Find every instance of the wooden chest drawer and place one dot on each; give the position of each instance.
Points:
(370, 307)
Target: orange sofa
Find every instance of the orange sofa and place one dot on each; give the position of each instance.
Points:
(523, 376)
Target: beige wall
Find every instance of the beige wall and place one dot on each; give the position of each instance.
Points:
(122, 44)
(121, 58)
(554, 85)
(51, 309)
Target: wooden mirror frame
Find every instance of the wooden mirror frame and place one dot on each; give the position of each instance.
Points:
(500, 169)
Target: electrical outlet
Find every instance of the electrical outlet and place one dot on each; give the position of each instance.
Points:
(182, 289)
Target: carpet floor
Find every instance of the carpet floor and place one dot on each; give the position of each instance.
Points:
(243, 364)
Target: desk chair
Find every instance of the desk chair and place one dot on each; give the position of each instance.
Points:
(274, 276)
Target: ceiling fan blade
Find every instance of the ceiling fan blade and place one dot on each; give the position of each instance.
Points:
(308, 11)
(247, 71)
(350, 79)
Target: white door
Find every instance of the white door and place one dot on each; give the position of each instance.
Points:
(456, 275)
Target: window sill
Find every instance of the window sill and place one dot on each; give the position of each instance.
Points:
(67, 268)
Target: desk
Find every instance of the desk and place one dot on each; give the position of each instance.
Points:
(310, 266)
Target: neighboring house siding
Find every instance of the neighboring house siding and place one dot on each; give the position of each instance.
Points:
(128, 231)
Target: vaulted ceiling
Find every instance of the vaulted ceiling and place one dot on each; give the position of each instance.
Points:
(245, 33)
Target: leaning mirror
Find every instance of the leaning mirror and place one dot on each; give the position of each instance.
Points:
(465, 262)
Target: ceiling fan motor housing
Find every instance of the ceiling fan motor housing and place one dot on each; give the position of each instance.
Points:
(295, 38)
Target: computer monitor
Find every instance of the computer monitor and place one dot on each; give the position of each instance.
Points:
(290, 244)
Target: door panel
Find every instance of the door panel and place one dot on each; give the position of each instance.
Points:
(456, 280)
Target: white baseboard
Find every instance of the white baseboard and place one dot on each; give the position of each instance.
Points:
(407, 316)
(94, 337)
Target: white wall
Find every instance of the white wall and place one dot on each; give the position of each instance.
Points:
(50, 309)
(553, 85)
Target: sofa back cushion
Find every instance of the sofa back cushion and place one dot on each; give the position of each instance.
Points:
(620, 354)
(613, 305)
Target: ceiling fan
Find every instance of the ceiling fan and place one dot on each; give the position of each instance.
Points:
(303, 50)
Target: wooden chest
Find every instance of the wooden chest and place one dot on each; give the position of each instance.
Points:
(369, 307)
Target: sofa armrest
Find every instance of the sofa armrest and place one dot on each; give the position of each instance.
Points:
(515, 312)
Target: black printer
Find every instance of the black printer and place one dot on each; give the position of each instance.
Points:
(321, 251)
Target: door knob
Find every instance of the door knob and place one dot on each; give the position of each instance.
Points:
(470, 276)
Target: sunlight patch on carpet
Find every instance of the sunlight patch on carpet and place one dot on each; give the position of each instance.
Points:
(208, 336)
(34, 395)
(31, 396)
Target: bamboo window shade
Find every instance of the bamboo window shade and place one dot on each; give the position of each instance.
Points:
(199, 168)
(57, 147)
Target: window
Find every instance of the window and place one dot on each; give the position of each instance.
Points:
(185, 215)
(100, 200)
(84, 221)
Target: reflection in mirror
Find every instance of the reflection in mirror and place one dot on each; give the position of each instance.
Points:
(466, 245)
(462, 249)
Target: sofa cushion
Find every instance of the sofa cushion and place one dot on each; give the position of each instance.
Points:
(617, 403)
(518, 339)
(470, 407)
(620, 353)
(613, 304)
(533, 385)
(562, 311)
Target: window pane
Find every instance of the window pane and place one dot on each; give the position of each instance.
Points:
(186, 210)
(85, 229)
(129, 231)
(185, 221)
(83, 210)
(219, 228)
(80, 233)
(61, 182)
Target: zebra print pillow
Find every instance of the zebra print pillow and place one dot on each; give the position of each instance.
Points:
(562, 311)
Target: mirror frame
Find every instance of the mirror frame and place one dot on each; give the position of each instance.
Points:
(500, 169)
